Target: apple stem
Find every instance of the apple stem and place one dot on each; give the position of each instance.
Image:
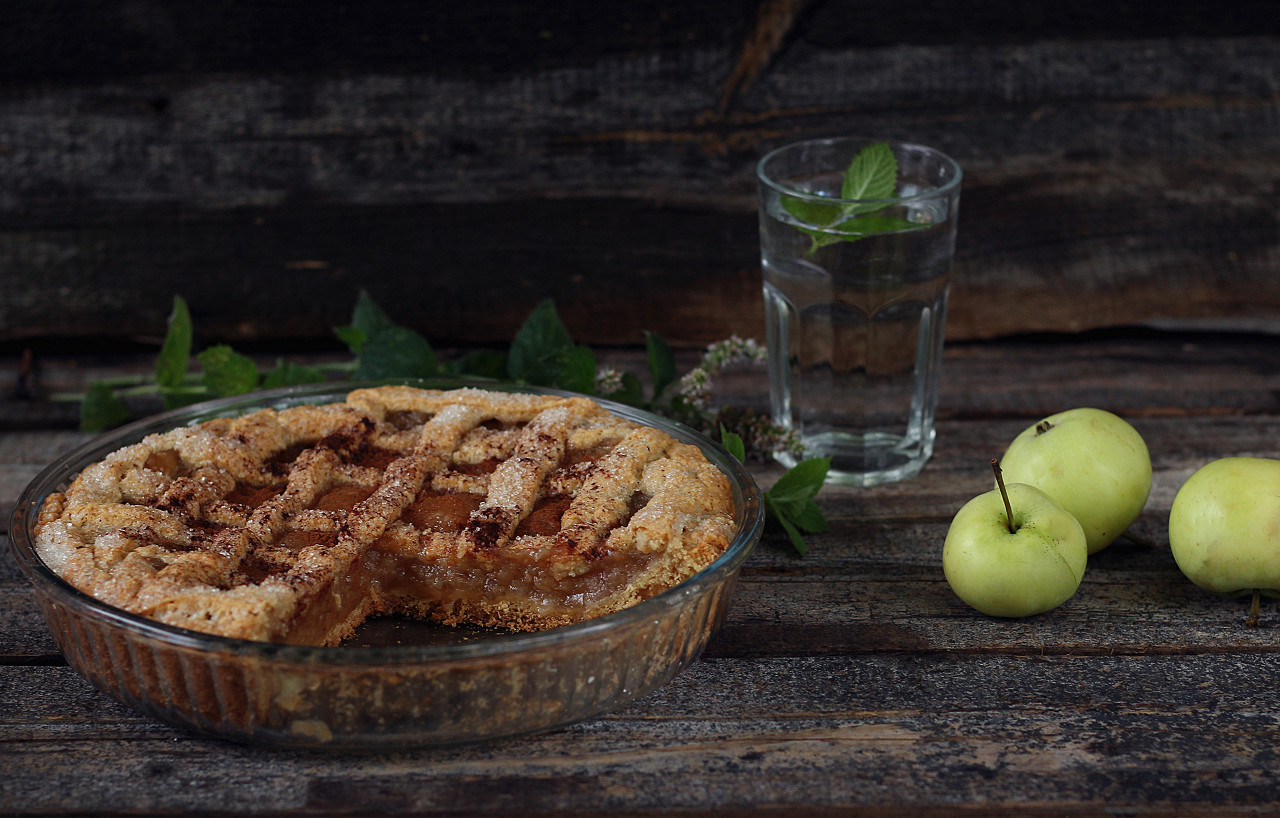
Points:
(1254, 607)
(1008, 509)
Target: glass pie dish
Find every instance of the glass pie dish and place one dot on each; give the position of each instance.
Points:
(397, 683)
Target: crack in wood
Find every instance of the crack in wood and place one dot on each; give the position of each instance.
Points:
(774, 22)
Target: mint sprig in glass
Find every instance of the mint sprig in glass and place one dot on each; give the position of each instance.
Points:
(868, 184)
(856, 241)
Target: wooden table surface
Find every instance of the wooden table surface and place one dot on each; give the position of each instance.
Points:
(851, 680)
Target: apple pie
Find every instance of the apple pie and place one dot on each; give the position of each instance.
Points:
(508, 510)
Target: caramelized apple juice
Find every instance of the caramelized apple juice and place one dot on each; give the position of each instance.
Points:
(855, 333)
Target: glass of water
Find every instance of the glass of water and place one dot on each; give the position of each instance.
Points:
(855, 293)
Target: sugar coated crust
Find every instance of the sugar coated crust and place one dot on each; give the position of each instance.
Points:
(500, 509)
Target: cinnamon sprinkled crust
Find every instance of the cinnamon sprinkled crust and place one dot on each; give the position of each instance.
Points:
(499, 509)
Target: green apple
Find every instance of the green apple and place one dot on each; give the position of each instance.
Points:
(1092, 462)
(1224, 527)
(1014, 555)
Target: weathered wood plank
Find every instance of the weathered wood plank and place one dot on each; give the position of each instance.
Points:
(851, 680)
(24, 637)
(1095, 170)
(37, 447)
(72, 41)
(903, 731)
(13, 479)
(385, 140)
(1027, 260)
(1136, 374)
(77, 41)
(9, 572)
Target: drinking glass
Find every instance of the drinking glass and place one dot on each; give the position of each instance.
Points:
(855, 294)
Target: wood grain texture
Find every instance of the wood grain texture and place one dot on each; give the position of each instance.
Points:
(1138, 373)
(1121, 168)
(848, 682)
(1156, 735)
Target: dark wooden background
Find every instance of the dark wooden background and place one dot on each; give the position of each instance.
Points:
(462, 161)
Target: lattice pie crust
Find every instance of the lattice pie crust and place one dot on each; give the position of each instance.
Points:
(499, 509)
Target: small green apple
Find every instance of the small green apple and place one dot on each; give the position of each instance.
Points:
(1092, 462)
(1014, 552)
(1224, 527)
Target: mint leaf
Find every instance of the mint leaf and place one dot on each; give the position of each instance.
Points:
(385, 349)
(101, 408)
(538, 344)
(576, 370)
(174, 358)
(290, 374)
(175, 352)
(368, 317)
(483, 363)
(176, 397)
(352, 336)
(793, 534)
(812, 212)
(810, 518)
(396, 352)
(821, 238)
(631, 393)
(805, 515)
(367, 320)
(857, 228)
(733, 443)
(662, 363)
(227, 372)
(802, 481)
(543, 353)
(873, 174)
(790, 500)
(866, 225)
